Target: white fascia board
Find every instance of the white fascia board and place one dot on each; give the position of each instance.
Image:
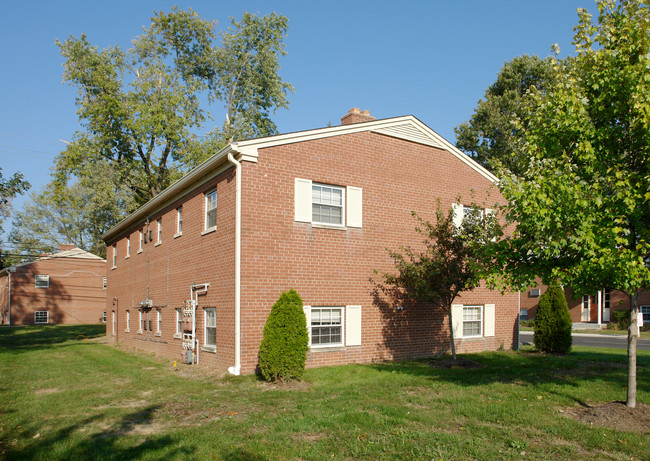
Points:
(457, 152)
(249, 149)
(204, 172)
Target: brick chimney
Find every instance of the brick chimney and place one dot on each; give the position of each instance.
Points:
(66, 246)
(355, 115)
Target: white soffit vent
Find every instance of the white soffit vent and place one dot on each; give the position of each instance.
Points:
(409, 132)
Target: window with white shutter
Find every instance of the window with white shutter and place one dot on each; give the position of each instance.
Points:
(328, 205)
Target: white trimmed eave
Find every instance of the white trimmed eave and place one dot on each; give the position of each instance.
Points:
(187, 183)
(406, 127)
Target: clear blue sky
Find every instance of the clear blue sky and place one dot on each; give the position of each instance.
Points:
(432, 59)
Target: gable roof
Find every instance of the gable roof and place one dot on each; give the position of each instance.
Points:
(76, 253)
(405, 127)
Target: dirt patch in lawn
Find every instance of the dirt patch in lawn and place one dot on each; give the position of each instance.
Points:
(614, 415)
(51, 390)
(283, 385)
(460, 362)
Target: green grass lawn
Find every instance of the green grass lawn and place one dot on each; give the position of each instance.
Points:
(603, 331)
(65, 396)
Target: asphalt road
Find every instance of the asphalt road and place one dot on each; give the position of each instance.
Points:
(594, 340)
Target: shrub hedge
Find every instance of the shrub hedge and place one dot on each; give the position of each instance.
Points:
(284, 346)
(552, 330)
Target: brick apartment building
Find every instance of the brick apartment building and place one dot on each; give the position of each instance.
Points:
(592, 308)
(68, 287)
(314, 211)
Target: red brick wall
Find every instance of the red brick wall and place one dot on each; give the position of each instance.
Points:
(75, 294)
(327, 267)
(171, 268)
(331, 267)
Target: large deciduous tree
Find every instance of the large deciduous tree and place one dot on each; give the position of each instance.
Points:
(582, 209)
(79, 214)
(446, 267)
(141, 108)
(491, 136)
(9, 189)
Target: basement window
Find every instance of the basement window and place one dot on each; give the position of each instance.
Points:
(41, 317)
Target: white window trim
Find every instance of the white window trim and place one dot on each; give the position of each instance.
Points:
(206, 346)
(141, 241)
(481, 320)
(207, 229)
(114, 257)
(158, 323)
(343, 210)
(179, 323)
(47, 317)
(351, 209)
(43, 278)
(128, 248)
(128, 321)
(159, 231)
(139, 323)
(113, 323)
(179, 222)
(330, 345)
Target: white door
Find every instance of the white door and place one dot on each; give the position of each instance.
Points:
(585, 308)
(606, 294)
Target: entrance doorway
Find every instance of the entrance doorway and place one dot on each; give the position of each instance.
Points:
(586, 304)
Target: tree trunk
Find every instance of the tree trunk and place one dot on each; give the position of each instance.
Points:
(632, 336)
(451, 333)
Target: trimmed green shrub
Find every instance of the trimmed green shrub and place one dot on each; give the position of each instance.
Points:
(553, 322)
(620, 319)
(284, 347)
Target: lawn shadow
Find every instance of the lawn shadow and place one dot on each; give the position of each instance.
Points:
(66, 443)
(532, 369)
(29, 338)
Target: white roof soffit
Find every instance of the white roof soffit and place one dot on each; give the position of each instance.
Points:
(406, 127)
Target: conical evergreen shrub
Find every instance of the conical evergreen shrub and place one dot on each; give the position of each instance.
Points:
(553, 322)
(284, 347)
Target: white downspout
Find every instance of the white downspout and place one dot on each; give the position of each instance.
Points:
(236, 369)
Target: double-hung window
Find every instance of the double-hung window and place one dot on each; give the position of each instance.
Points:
(179, 322)
(42, 281)
(159, 239)
(128, 321)
(114, 256)
(128, 247)
(211, 210)
(211, 327)
(140, 322)
(158, 322)
(645, 310)
(104, 317)
(326, 326)
(327, 204)
(141, 241)
(41, 317)
(179, 221)
(472, 321)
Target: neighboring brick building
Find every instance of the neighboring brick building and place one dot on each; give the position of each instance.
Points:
(593, 308)
(68, 287)
(314, 211)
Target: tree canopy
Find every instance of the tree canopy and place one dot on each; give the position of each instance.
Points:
(581, 211)
(9, 189)
(141, 108)
(78, 213)
(491, 136)
(446, 267)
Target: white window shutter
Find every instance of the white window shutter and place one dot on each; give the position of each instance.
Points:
(355, 207)
(489, 317)
(457, 320)
(353, 325)
(307, 310)
(302, 200)
(457, 209)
